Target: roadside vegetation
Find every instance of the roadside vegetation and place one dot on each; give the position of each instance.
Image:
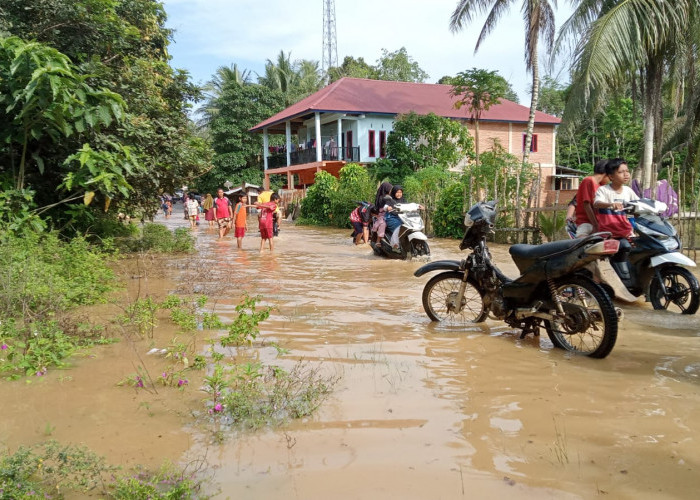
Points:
(55, 470)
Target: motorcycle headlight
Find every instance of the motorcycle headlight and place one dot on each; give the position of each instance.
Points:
(669, 243)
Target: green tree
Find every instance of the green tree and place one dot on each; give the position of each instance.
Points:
(224, 76)
(238, 153)
(478, 90)
(294, 80)
(539, 21)
(354, 68)
(398, 66)
(120, 46)
(552, 97)
(509, 93)
(420, 141)
(616, 41)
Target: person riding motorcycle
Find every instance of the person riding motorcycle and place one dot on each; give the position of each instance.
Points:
(379, 225)
(609, 201)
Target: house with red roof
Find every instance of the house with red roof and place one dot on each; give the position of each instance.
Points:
(349, 122)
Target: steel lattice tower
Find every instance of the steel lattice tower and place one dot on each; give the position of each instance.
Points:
(330, 43)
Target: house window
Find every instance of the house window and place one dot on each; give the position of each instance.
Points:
(371, 150)
(382, 143)
(564, 183)
(533, 143)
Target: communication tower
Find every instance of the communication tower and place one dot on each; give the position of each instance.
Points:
(330, 43)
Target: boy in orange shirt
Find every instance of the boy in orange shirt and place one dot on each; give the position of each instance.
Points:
(240, 219)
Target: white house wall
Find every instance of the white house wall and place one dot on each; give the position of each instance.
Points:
(364, 125)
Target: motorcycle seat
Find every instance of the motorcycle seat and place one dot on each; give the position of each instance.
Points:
(524, 251)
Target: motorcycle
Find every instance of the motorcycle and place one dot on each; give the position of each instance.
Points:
(553, 290)
(409, 240)
(653, 266)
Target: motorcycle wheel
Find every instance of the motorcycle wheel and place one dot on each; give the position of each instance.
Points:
(440, 293)
(590, 326)
(419, 248)
(682, 291)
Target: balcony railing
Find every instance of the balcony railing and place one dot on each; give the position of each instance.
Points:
(302, 156)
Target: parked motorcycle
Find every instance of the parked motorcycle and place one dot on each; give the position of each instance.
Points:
(653, 264)
(553, 289)
(410, 241)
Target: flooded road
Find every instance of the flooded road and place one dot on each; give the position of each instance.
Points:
(420, 411)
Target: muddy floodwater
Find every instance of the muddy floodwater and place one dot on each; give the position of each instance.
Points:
(420, 411)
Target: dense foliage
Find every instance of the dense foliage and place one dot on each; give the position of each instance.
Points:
(394, 66)
(238, 153)
(92, 107)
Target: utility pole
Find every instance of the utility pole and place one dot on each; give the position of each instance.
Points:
(330, 41)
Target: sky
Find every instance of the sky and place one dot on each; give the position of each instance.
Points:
(214, 33)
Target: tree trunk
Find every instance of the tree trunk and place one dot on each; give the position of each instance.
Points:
(531, 118)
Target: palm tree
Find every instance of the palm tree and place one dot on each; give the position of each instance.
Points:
(214, 89)
(295, 80)
(539, 21)
(618, 42)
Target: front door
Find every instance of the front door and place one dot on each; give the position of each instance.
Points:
(348, 144)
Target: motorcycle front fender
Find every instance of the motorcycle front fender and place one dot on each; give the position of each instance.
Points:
(417, 236)
(671, 258)
(439, 265)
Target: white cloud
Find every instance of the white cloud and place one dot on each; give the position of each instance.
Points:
(212, 33)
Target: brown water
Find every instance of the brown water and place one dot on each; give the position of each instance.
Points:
(421, 411)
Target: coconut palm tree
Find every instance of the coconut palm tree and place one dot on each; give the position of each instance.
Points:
(214, 89)
(622, 41)
(539, 22)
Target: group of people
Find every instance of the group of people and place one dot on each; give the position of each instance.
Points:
(600, 199)
(599, 207)
(219, 212)
(382, 213)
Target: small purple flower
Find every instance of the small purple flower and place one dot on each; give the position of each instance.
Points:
(165, 375)
(139, 382)
(218, 407)
(182, 382)
(4, 347)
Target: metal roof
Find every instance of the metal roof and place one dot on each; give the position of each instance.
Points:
(355, 96)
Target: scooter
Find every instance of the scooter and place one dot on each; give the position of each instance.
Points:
(553, 290)
(408, 241)
(653, 265)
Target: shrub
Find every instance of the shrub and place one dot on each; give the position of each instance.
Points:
(354, 185)
(448, 221)
(316, 207)
(158, 238)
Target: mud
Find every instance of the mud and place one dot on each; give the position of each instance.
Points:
(421, 411)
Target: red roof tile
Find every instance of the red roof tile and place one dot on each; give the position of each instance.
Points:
(357, 95)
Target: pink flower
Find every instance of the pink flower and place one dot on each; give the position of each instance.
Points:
(139, 382)
(4, 346)
(218, 407)
(181, 382)
(165, 375)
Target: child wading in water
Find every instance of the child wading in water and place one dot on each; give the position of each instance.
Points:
(266, 220)
(240, 219)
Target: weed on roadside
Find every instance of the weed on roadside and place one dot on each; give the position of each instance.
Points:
(54, 470)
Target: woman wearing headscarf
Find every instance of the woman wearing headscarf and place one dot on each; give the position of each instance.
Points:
(395, 197)
(208, 205)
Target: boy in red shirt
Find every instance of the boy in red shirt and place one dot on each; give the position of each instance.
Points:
(267, 215)
(586, 221)
(222, 213)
